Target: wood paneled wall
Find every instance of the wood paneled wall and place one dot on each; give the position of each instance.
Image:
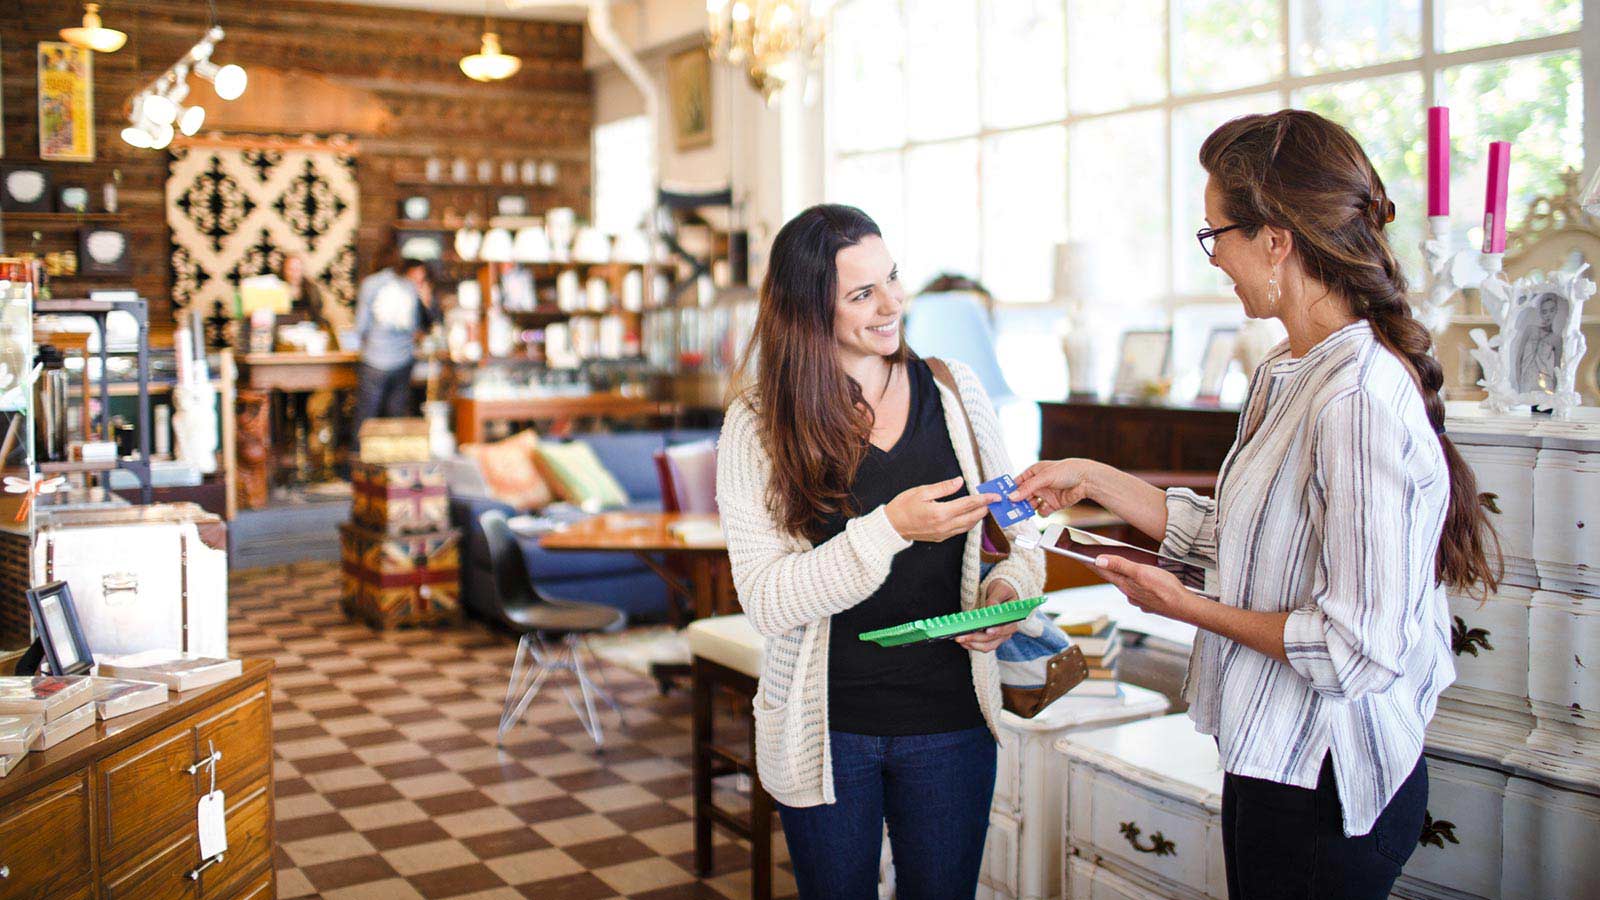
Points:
(386, 77)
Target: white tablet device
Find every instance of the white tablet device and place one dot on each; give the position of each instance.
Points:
(1085, 547)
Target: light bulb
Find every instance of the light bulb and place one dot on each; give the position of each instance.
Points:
(231, 81)
(190, 120)
(134, 136)
(741, 12)
(159, 109)
(161, 137)
(228, 81)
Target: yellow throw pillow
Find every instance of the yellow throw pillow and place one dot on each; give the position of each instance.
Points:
(579, 477)
(509, 471)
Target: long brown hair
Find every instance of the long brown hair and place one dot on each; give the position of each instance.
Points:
(813, 418)
(1295, 170)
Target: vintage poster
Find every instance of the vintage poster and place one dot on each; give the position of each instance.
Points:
(66, 102)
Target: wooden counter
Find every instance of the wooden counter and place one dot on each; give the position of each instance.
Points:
(297, 372)
(473, 416)
(111, 812)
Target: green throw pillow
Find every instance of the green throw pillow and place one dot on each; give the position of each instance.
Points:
(582, 478)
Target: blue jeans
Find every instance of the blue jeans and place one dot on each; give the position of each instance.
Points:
(934, 790)
(380, 392)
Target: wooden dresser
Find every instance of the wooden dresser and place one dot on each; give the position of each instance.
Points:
(111, 812)
(1138, 437)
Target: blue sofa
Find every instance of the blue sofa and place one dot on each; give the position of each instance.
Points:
(615, 579)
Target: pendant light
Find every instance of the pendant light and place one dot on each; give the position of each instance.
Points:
(489, 63)
(92, 35)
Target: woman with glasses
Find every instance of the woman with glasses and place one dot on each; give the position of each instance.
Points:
(1341, 515)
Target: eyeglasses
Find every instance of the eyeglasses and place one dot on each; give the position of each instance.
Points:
(1208, 237)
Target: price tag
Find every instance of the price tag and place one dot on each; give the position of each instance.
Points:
(213, 828)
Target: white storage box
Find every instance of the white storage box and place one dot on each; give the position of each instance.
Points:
(142, 578)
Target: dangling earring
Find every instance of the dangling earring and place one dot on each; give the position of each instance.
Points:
(1272, 290)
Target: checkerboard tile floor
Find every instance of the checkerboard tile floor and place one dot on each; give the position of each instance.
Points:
(389, 783)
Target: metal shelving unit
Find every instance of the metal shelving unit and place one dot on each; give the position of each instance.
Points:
(98, 310)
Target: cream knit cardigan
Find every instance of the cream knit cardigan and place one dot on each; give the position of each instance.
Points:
(790, 590)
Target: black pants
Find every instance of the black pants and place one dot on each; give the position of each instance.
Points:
(1281, 841)
(381, 392)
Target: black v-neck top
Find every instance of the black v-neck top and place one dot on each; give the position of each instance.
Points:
(919, 688)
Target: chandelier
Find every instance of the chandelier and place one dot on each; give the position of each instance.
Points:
(777, 42)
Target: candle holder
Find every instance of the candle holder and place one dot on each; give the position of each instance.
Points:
(1449, 271)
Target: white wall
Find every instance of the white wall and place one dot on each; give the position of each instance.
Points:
(749, 139)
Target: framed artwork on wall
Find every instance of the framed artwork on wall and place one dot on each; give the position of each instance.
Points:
(66, 102)
(689, 94)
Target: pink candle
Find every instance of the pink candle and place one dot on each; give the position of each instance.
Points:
(1495, 196)
(1439, 161)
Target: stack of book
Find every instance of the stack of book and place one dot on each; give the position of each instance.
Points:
(38, 712)
(175, 670)
(1097, 636)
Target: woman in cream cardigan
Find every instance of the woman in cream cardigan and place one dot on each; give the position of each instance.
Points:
(842, 478)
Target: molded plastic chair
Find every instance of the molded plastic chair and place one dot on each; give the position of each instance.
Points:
(518, 606)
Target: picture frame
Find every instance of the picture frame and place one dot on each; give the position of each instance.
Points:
(25, 189)
(1534, 360)
(56, 619)
(104, 251)
(66, 102)
(689, 98)
(1216, 362)
(1144, 358)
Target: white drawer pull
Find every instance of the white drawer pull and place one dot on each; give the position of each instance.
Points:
(1468, 640)
(1159, 845)
(5, 871)
(1436, 831)
(194, 874)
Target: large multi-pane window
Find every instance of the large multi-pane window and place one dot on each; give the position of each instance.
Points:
(980, 133)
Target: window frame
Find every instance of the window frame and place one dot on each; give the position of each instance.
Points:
(1430, 62)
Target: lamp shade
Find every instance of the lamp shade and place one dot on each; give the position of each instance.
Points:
(92, 35)
(489, 63)
(497, 245)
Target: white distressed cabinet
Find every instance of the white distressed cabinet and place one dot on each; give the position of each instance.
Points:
(1514, 749)
(1022, 857)
(1143, 812)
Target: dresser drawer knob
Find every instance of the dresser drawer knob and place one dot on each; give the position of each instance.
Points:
(1436, 831)
(1159, 845)
(1468, 640)
(5, 871)
(194, 874)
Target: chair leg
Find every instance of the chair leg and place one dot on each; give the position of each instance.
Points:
(700, 761)
(529, 669)
(591, 722)
(604, 692)
(761, 812)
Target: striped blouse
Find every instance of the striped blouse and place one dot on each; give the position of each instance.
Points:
(1329, 507)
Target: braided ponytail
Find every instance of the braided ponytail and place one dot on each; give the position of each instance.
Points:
(1297, 170)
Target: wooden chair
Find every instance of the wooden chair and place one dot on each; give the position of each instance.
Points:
(726, 658)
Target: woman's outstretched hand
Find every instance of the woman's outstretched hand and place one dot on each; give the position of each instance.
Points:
(919, 515)
(1052, 485)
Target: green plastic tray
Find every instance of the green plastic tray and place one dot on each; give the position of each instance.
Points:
(939, 627)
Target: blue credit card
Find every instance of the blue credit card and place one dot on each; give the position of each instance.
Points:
(1006, 511)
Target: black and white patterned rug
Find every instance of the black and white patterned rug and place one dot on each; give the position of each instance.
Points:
(234, 213)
